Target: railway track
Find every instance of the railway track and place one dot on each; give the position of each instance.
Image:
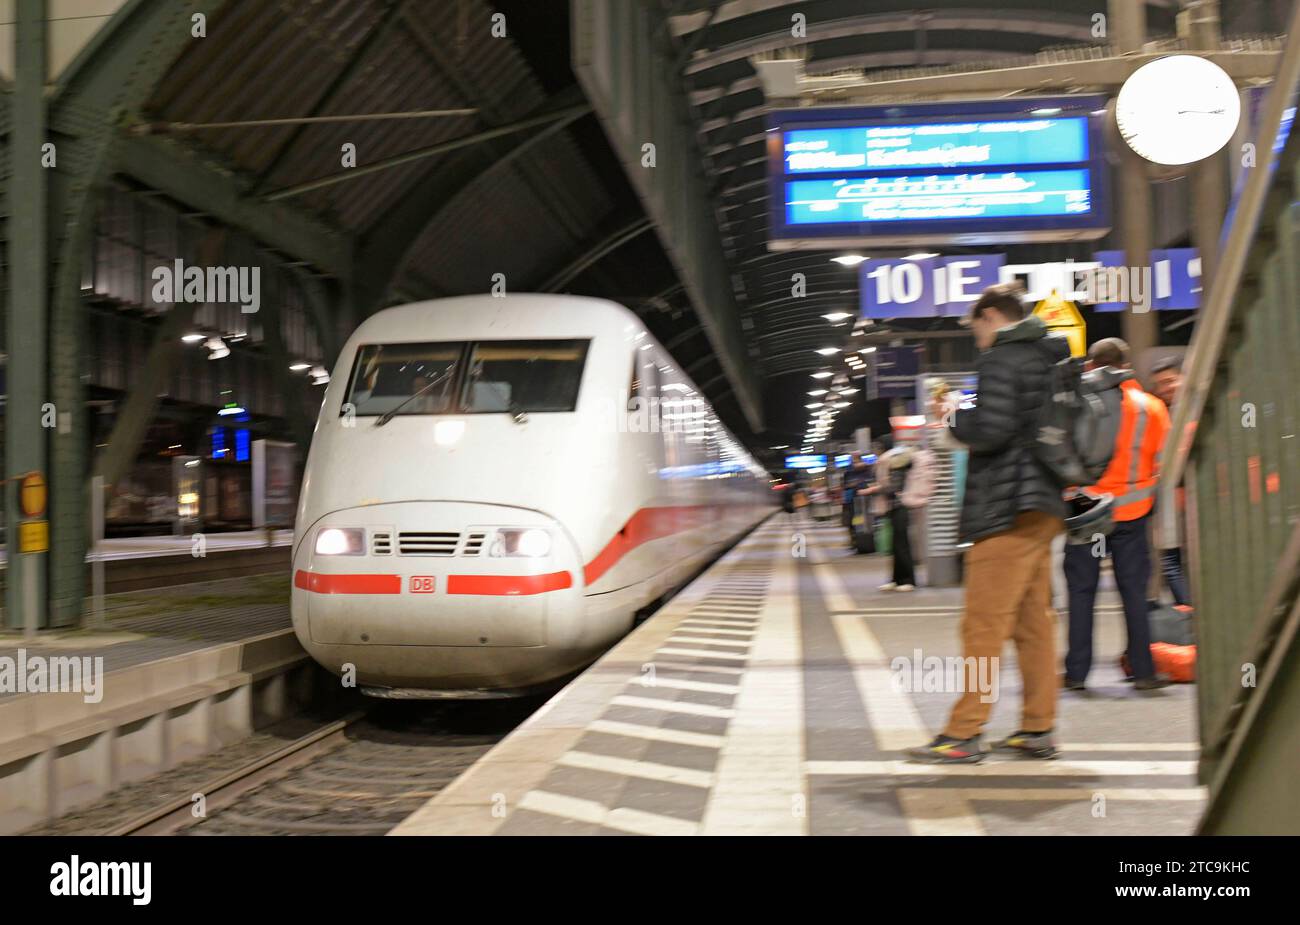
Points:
(359, 775)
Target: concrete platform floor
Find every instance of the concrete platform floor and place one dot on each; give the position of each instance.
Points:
(764, 700)
(151, 625)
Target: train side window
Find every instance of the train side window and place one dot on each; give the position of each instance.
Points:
(634, 388)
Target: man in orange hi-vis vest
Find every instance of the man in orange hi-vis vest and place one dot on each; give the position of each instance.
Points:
(1131, 478)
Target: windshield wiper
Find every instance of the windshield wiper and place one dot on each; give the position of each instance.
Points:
(388, 415)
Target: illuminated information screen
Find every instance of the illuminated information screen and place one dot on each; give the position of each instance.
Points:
(958, 175)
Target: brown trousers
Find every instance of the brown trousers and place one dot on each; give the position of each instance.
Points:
(1009, 596)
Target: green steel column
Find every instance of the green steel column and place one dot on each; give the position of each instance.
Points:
(24, 435)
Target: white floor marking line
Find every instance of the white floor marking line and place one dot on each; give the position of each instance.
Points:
(655, 733)
(1129, 747)
(1067, 794)
(649, 770)
(699, 627)
(892, 715)
(683, 684)
(734, 646)
(938, 811)
(672, 706)
(701, 653)
(665, 665)
(759, 782)
(1011, 767)
(626, 820)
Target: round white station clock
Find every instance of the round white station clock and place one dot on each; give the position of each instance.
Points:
(1177, 110)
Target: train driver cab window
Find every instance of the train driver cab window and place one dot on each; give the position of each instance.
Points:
(404, 378)
(524, 375)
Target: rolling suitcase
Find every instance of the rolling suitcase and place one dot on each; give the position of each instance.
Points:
(862, 528)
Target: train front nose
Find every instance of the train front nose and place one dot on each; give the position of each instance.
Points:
(436, 595)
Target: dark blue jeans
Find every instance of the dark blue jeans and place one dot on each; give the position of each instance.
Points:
(1130, 555)
(1171, 564)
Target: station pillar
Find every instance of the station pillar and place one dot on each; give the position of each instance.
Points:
(26, 404)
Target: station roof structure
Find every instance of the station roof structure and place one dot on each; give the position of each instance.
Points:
(521, 179)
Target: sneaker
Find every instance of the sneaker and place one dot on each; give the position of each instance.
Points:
(1070, 684)
(1027, 744)
(1150, 684)
(906, 588)
(887, 586)
(947, 750)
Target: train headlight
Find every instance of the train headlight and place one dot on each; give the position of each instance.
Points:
(528, 542)
(341, 541)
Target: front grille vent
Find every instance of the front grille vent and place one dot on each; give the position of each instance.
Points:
(473, 545)
(381, 544)
(427, 544)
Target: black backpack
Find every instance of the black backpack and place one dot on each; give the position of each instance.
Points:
(1075, 433)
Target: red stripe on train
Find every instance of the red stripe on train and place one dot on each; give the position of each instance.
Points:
(347, 584)
(508, 584)
(649, 523)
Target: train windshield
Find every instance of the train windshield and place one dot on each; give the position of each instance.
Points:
(466, 378)
(404, 378)
(523, 375)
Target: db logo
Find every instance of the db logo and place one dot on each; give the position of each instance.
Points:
(421, 584)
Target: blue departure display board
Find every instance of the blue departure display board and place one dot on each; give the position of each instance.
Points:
(990, 171)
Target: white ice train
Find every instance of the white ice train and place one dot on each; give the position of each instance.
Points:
(496, 485)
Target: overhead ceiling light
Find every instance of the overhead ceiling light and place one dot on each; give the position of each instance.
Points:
(848, 260)
(827, 351)
(230, 409)
(319, 375)
(920, 256)
(867, 350)
(813, 405)
(192, 338)
(822, 375)
(783, 446)
(217, 348)
(299, 367)
(842, 404)
(1046, 111)
(847, 391)
(815, 392)
(837, 316)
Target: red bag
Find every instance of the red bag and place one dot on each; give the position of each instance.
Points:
(1178, 663)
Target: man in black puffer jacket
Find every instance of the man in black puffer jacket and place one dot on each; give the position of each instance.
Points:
(1012, 510)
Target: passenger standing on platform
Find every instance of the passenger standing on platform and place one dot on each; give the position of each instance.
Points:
(1167, 380)
(904, 481)
(1011, 511)
(1131, 477)
(856, 481)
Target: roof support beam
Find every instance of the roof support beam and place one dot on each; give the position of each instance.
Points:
(442, 147)
(205, 187)
(384, 251)
(640, 101)
(605, 245)
(376, 34)
(1101, 72)
(106, 84)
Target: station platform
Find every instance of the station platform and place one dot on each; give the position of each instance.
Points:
(152, 547)
(155, 625)
(763, 699)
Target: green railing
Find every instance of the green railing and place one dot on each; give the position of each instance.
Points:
(1239, 459)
